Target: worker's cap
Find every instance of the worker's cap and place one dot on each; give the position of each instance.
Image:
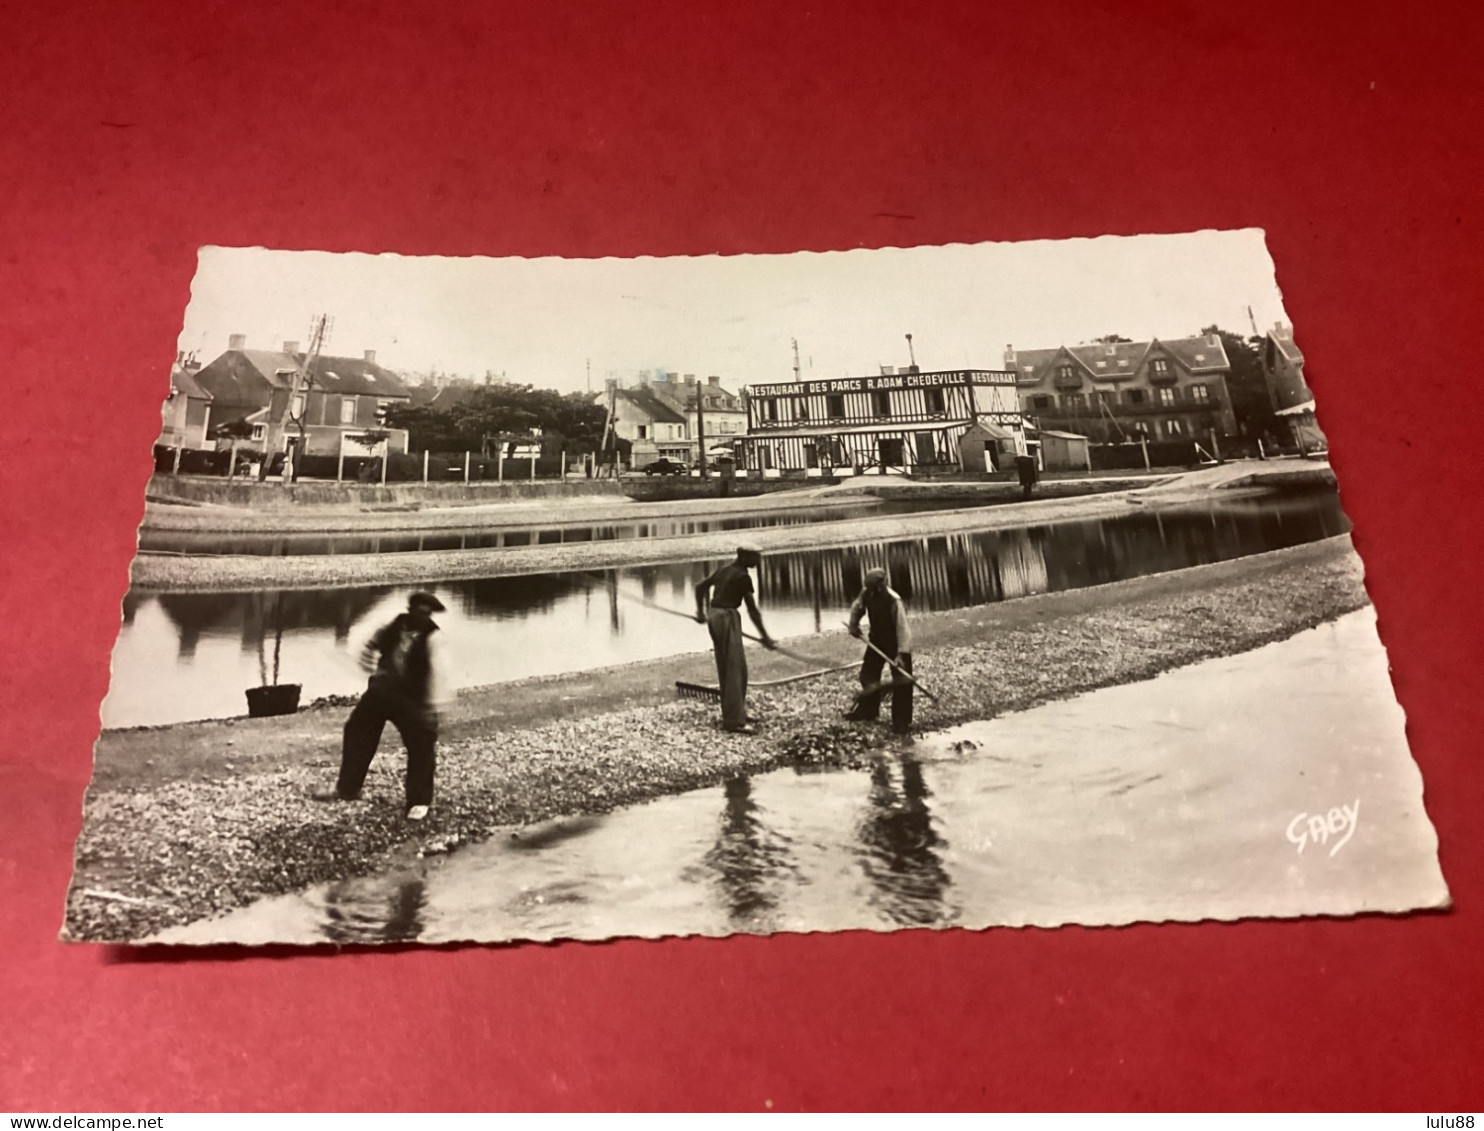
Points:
(751, 548)
(427, 601)
(875, 576)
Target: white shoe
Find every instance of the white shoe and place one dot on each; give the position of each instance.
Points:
(417, 813)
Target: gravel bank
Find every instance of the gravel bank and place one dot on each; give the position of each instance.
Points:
(158, 853)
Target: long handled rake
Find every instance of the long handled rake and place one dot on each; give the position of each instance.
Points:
(898, 669)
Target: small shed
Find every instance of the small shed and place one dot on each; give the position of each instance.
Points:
(986, 447)
(1065, 451)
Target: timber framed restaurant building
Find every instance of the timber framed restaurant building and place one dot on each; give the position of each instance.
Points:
(900, 421)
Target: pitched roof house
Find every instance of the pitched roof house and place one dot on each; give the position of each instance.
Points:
(344, 394)
(1171, 389)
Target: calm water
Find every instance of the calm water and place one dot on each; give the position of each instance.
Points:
(278, 545)
(192, 655)
(1163, 799)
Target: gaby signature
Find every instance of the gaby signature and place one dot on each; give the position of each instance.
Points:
(1320, 828)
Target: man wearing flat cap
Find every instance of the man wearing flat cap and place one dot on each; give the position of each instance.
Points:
(892, 635)
(408, 689)
(729, 588)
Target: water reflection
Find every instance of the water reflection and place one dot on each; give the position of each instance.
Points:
(899, 847)
(190, 655)
(752, 862)
(370, 910)
(274, 545)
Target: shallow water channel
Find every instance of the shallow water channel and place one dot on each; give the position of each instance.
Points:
(514, 537)
(183, 656)
(1173, 798)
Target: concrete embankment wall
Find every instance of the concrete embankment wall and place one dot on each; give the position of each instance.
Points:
(219, 492)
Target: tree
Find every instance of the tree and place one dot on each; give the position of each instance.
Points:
(1248, 385)
(501, 410)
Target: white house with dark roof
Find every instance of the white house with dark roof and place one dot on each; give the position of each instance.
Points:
(1171, 389)
(654, 428)
(185, 414)
(704, 405)
(345, 396)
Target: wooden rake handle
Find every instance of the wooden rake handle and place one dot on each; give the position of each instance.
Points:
(896, 667)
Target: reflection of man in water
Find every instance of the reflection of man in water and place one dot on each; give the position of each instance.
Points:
(729, 588)
(891, 634)
(407, 689)
(749, 858)
(898, 848)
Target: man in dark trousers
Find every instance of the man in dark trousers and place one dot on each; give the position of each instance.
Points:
(729, 588)
(890, 633)
(407, 688)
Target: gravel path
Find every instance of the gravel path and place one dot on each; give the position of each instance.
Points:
(158, 853)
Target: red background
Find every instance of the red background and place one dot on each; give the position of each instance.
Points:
(134, 133)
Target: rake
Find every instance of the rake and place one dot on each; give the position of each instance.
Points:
(899, 670)
(713, 694)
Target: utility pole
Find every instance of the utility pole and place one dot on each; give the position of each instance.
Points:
(795, 343)
(911, 357)
(301, 382)
(589, 375)
(701, 430)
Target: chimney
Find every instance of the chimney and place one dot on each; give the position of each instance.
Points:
(690, 380)
(888, 371)
(1283, 330)
(1214, 339)
(644, 378)
(237, 342)
(1009, 356)
(290, 347)
(713, 380)
(370, 357)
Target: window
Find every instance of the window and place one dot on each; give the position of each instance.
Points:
(834, 405)
(934, 399)
(1166, 396)
(1200, 394)
(1161, 366)
(643, 431)
(259, 431)
(1136, 396)
(1040, 402)
(883, 403)
(1064, 373)
(770, 409)
(1174, 428)
(1072, 400)
(801, 408)
(347, 410)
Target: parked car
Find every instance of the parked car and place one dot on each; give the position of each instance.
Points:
(663, 466)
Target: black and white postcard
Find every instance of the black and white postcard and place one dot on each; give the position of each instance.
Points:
(966, 586)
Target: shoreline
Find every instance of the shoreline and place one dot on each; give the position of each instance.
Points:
(227, 573)
(229, 820)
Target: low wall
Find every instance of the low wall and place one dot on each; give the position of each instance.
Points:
(218, 492)
(664, 488)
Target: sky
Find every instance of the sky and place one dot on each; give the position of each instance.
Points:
(544, 321)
